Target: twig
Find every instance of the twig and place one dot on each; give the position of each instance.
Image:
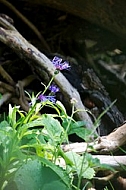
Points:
(105, 179)
(16, 92)
(6, 76)
(7, 86)
(26, 81)
(5, 98)
(22, 98)
(26, 21)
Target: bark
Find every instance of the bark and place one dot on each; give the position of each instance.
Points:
(104, 145)
(116, 162)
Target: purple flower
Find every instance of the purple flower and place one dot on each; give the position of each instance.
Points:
(53, 88)
(57, 62)
(43, 98)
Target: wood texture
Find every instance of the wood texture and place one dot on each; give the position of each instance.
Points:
(104, 145)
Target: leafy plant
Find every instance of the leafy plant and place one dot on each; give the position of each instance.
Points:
(21, 144)
(30, 146)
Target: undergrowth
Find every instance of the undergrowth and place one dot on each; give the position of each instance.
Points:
(31, 157)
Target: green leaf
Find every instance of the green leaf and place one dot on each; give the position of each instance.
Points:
(58, 170)
(79, 129)
(35, 176)
(12, 115)
(88, 173)
(5, 132)
(4, 124)
(95, 163)
(52, 127)
(35, 123)
(81, 165)
(10, 153)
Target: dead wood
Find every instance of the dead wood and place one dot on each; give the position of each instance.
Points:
(104, 145)
(15, 93)
(5, 75)
(116, 162)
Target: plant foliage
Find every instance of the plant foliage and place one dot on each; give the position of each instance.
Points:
(30, 149)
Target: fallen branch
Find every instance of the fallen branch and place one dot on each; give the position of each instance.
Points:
(15, 93)
(116, 162)
(5, 98)
(6, 76)
(38, 61)
(113, 141)
(107, 144)
(104, 145)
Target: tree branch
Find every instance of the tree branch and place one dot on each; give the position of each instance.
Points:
(104, 145)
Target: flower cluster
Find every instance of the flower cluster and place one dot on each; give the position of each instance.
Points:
(53, 88)
(43, 98)
(59, 64)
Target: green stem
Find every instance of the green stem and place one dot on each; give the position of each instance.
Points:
(47, 87)
(71, 118)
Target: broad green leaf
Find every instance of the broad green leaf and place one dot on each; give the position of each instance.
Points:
(4, 124)
(88, 173)
(95, 163)
(33, 136)
(58, 170)
(52, 127)
(35, 123)
(35, 176)
(81, 165)
(79, 129)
